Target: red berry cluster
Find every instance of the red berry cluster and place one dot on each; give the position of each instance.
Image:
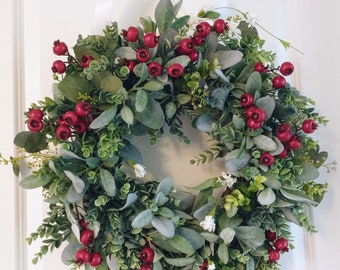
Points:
(77, 120)
(35, 120)
(204, 266)
(276, 246)
(292, 140)
(84, 255)
(278, 81)
(61, 49)
(186, 46)
(147, 255)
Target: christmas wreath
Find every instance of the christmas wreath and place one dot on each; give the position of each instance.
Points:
(80, 147)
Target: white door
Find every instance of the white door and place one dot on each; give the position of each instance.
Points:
(28, 29)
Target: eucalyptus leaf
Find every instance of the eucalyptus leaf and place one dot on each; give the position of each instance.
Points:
(195, 239)
(153, 86)
(131, 199)
(254, 83)
(183, 60)
(32, 142)
(72, 196)
(164, 14)
(164, 226)
(77, 182)
(66, 154)
(267, 104)
(236, 161)
(223, 253)
(107, 182)
(170, 109)
(127, 53)
(181, 244)
(180, 261)
(142, 219)
(183, 98)
(227, 58)
(251, 236)
(152, 116)
(309, 173)
(127, 115)
(266, 196)
(227, 235)
(164, 186)
(67, 256)
(33, 181)
(104, 118)
(72, 85)
(204, 122)
(141, 100)
(111, 83)
(297, 196)
(160, 199)
(265, 143)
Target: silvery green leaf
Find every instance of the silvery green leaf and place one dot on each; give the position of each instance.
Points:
(204, 211)
(238, 122)
(309, 173)
(164, 14)
(104, 118)
(218, 96)
(297, 196)
(226, 58)
(160, 199)
(165, 212)
(70, 214)
(131, 198)
(251, 236)
(142, 219)
(72, 196)
(254, 83)
(272, 182)
(267, 104)
(95, 227)
(227, 235)
(153, 86)
(164, 186)
(183, 60)
(170, 109)
(126, 53)
(210, 237)
(289, 215)
(266, 196)
(223, 253)
(251, 263)
(153, 116)
(265, 143)
(195, 239)
(204, 122)
(32, 181)
(67, 256)
(183, 98)
(164, 226)
(66, 154)
(76, 230)
(180, 262)
(78, 183)
(181, 244)
(279, 148)
(249, 142)
(107, 182)
(236, 161)
(127, 115)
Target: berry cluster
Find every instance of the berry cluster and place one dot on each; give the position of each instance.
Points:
(35, 120)
(85, 255)
(147, 255)
(186, 46)
(276, 246)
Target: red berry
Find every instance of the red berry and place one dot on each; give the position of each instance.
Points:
(194, 55)
(82, 256)
(281, 244)
(63, 132)
(267, 159)
(145, 266)
(131, 34)
(203, 28)
(284, 153)
(253, 124)
(85, 60)
(286, 68)
(143, 55)
(155, 69)
(204, 266)
(274, 255)
(270, 236)
(35, 114)
(186, 45)
(246, 100)
(86, 237)
(259, 67)
(258, 115)
(59, 67)
(35, 125)
(278, 82)
(82, 109)
(81, 126)
(309, 126)
(96, 259)
(147, 255)
(219, 26)
(59, 48)
(197, 39)
(130, 64)
(82, 223)
(283, 132)
(70, 118)
(175, 70)
(294, 142)
(150, 40)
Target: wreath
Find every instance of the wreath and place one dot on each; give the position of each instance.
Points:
(80, 147)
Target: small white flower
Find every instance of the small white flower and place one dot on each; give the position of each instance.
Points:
(208, 223)
(140, 170)
(233, 31)
(211, 266)
(251, 19)
(227, 180)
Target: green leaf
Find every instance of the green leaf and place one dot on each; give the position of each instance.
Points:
(180, 262)
(181, 244)
(180, 22)
(72, 85)
(164, 186)
(297, 196)
(32, 181)
(183, 60)
(111, 83)
(204, 122)
(236, 161)
(266, 196)
(170, 109)
(309, 173)
(206, 184)
(195, 239)
(251, 236)
(31, 142)
(183, 98)
(164, 226)
(265, 143)
(77, 182)
(131, 198)
(127, 115)
(142, 219)
(209, 14)
(164, 14)
(228, 58)
(223, 253)
(227, 235)
(152, 116)
(141, 100)
(104, 118)
(107, 182)
(267, 104)
(127, 53)
(153, 86)
(67, 255)
(254, 83)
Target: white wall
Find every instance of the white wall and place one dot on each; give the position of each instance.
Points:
(309, 25)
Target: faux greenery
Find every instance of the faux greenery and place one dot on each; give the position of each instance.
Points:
(92, 174)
